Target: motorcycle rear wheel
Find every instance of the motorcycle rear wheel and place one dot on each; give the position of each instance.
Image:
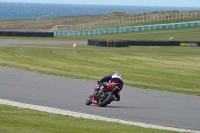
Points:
(107, 100)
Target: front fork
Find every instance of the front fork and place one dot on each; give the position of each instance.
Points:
(94, 100)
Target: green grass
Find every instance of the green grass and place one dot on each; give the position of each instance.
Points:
(175, 69)
(17, 120)
(185, 34)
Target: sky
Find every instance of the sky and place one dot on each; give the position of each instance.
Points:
(181, 3)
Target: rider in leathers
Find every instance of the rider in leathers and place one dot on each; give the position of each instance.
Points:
(114, 78)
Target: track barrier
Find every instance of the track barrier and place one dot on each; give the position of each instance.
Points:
(127, 43)
(26, 34)
(126, 29)
(189, 44)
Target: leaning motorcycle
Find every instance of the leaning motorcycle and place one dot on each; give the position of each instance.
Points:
(103, 94)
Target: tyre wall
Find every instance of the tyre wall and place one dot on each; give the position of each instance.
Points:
(127, 43)
(26, 34)
(102, 43)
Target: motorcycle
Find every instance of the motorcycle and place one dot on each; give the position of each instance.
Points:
(103, 94)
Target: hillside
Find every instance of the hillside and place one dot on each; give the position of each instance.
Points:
(48, 23)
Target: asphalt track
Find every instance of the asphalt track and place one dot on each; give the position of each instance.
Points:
(7, 42)
(139, 105)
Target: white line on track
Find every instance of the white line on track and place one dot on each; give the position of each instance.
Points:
(88, 116)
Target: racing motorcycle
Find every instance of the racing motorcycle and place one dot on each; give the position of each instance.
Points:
(103, 94)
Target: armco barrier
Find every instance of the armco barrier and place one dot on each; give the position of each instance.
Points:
(26, 34)
(127, 29)
(127, 43)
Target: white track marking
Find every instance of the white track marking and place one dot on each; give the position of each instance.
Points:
(88, 116)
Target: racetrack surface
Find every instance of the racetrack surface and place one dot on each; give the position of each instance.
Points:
(7, 42)
(139, 105)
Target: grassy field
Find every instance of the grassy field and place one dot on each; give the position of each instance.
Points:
(12, 121)
(173, 69)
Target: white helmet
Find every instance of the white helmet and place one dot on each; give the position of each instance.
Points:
(117, 74)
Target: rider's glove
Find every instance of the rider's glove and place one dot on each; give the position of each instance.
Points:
(98, 81)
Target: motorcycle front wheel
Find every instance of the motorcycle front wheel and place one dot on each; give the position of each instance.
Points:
(89, 100)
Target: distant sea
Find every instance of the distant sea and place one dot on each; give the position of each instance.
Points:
(10, 11)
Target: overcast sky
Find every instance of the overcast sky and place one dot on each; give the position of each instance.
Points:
(184, 3)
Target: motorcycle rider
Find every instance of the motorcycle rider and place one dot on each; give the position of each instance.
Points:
(113, 78)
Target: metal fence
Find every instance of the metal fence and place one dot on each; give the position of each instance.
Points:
(128, 21)
(127, 29)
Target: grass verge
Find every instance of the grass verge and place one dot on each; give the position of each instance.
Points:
(12, 121)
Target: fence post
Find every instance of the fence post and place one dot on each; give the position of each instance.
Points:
(143, 18)
(56, 28)
(85, 26)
